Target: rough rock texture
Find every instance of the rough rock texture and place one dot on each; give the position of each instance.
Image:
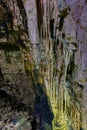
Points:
(48, 52)
(14, 76)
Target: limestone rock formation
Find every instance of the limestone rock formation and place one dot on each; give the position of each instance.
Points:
(43, 60)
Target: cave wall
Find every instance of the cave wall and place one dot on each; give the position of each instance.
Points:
(13, 77)
(51, 34)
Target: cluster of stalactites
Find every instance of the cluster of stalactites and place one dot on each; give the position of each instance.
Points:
(49, 13)
(60, 91)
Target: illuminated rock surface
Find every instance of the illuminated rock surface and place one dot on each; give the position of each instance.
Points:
(43, 64)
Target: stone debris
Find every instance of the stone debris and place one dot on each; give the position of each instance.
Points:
(15, 121)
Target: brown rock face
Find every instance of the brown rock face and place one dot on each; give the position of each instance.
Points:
(43, 43)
